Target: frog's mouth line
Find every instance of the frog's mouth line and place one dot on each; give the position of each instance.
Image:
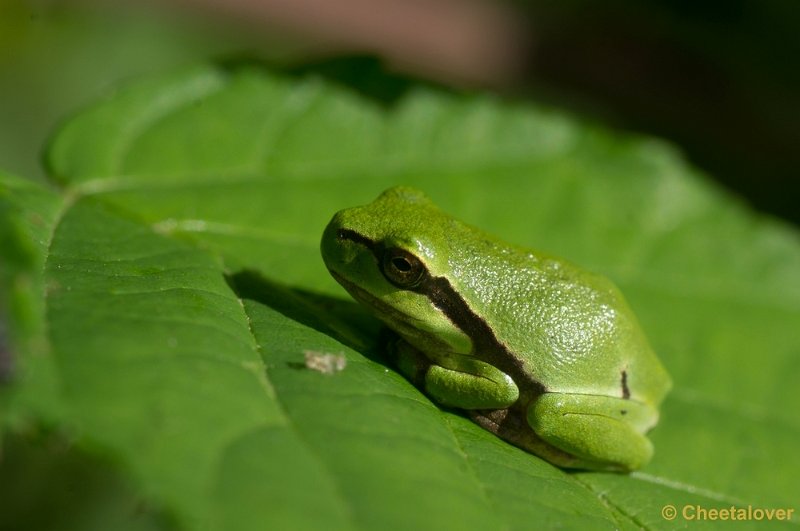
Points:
(372, 301)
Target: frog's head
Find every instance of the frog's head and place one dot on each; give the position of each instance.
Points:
(388, 254)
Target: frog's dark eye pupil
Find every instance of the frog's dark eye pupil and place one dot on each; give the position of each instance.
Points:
(402, 268)
(401, 264)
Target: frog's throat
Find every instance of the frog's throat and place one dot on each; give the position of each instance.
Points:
(486, 347)
(402, 323)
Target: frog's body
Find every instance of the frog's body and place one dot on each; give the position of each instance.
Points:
(546, 355)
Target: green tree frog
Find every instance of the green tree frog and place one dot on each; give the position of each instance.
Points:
(543, 354)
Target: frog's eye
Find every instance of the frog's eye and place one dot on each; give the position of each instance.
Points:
(402, 268)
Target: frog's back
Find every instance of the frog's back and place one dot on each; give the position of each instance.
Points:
(572, 329)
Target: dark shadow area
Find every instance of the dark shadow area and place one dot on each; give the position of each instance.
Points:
(345, 321)
(365, 75)
(49, 484)
(719, 79)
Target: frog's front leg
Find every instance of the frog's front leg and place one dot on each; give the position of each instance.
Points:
(466, 384)
(602, 432)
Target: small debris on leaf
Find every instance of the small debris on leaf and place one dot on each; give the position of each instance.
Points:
(324, 363)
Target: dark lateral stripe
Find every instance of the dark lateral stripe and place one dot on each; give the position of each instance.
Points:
(348, 234)
(485, 344)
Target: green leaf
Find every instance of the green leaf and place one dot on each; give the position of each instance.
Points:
(165, 301)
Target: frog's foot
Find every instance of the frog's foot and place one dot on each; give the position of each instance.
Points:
(470, 384)
(601, 432)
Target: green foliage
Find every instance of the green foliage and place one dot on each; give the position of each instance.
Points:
(162, 304)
